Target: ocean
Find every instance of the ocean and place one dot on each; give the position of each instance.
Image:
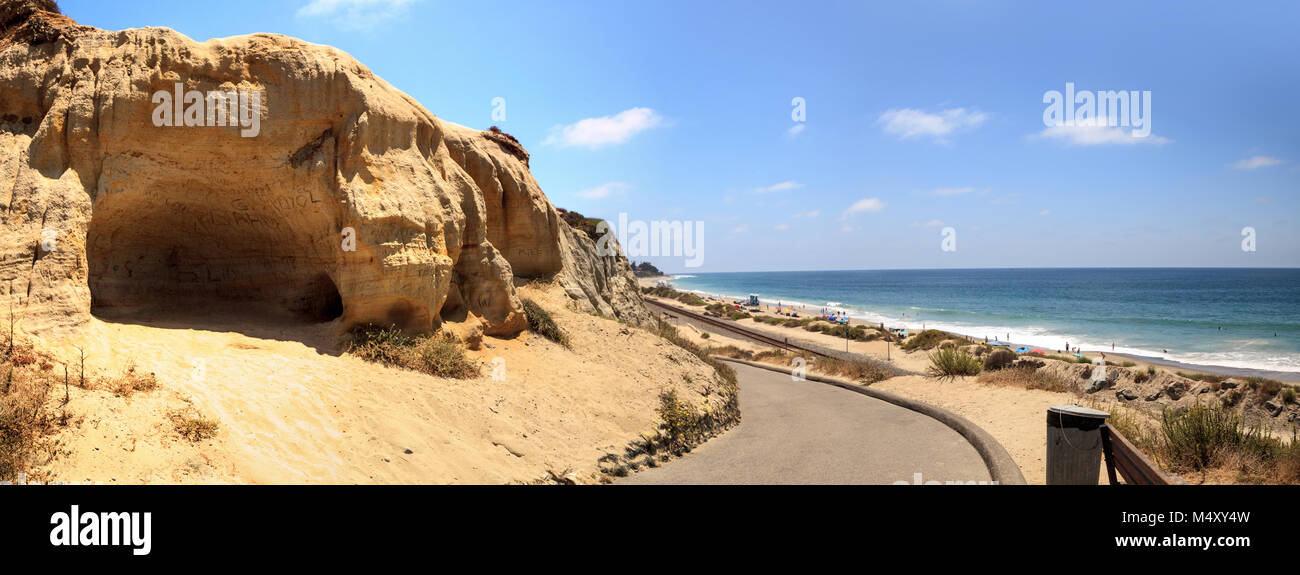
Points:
(1229, 317)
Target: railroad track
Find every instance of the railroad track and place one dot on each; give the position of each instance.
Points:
(728, 326)
(752, 335)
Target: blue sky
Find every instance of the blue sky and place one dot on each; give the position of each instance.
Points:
(923, 115)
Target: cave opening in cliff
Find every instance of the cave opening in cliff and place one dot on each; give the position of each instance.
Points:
(205, 253)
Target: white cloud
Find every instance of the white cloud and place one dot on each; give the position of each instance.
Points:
(1256, 162)
(740, 228)
(864, 205)
(781, 187)
(355, 14)
(604, 131)
(795, 130)
(849, 228)
(782, 227)
(1098, 132)
(1045, 213)
(808, 214)
(910, 123)
(929, 224)
(602, 191)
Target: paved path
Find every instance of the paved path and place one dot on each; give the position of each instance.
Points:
(805, 432)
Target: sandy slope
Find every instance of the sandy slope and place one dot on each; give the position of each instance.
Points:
(292, 410)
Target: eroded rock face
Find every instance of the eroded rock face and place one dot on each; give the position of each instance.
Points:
(349, 201)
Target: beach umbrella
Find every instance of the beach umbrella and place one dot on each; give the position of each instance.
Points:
(1022, 350)
(1035, 350)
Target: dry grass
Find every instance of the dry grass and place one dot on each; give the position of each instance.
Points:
(1026, 377)
(438, 355)
(26, 418)
(193, 426)
(129, 382)
(862, 371)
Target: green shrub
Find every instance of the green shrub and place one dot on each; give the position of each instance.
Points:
(1264, 387)
(1288, 395)
(540, 322)
(1193, 437)
(927, 339)
(738, 315)
(951, 362)
(690, 299)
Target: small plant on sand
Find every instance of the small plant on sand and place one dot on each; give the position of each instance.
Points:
(444, 356)
(951, 362)
(439, 355)
(386, 345)
(541, 322)
(130, 381)
(1288, 395)
(193, 426)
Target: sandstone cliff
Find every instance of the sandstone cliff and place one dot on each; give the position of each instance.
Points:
(344, 199)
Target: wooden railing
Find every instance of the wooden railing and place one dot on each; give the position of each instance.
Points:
(1124, 459)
